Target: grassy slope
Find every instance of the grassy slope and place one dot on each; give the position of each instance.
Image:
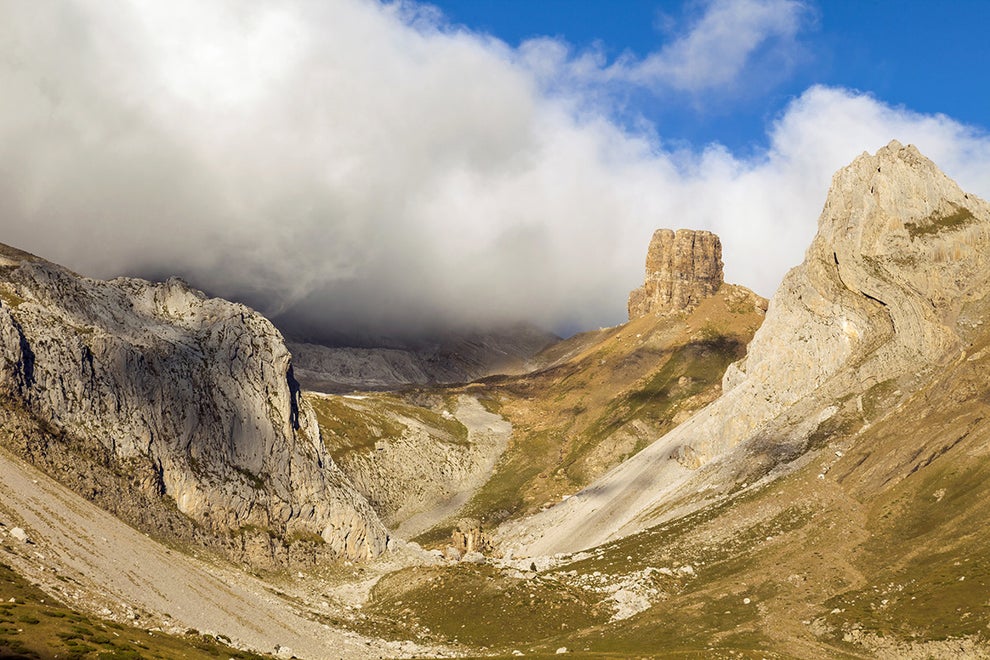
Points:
(34, 625)
(604, 396)
(355, 425)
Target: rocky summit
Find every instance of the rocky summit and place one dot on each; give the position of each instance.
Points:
(682, 269)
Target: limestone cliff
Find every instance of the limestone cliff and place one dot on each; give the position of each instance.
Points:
(201, 390)
(880, 301)
(682, 269)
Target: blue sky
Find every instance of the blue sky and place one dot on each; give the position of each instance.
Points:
(931, 57)
(358, 164)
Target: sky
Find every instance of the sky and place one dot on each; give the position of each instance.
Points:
(351, 166)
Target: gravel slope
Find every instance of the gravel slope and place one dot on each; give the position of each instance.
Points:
(94, 561)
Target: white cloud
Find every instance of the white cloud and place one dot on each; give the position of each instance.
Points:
(359, 164)
(728, 39)
(719, 46)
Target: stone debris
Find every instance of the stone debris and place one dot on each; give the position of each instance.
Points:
(474, 558)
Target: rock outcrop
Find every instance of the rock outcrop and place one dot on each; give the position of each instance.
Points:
(201, 390)
(682, 269)
(881, 298)
(468, 537)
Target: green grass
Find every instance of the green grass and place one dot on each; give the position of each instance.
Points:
(356, 426)
(448, 426)
(656, 400)
(937, 223)
(37, 626)
(697, 617)
(347, 429)
(502, 495)
(492, 610)
(9, 298)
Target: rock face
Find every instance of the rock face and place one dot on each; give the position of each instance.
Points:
(682, 269)
(468, 537)
(881, 298)
(200, 389)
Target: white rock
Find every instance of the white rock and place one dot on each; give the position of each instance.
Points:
(474, 558)
(562, 650)
(628, 603)
(19, 534)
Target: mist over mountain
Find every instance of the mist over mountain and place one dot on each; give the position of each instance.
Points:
(356, 168)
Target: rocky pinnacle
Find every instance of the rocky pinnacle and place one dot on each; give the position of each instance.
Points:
(682, 269)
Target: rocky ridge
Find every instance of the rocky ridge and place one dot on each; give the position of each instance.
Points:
(199, 392)
(900, 251)
(682, 269)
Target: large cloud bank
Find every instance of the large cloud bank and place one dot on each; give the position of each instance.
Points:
(354, 165)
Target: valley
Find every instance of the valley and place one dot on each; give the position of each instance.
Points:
(720, 476)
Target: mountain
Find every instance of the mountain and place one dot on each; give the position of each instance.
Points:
(829, 503)
(186, 404)
(506, 446)
(880, 303)
(717, 477)
(435, 359)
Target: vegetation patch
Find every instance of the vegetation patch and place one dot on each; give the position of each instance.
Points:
(504, 493)
(688, 371)
(10, 297)
(347, 429)
(357, 425)
(936, 223)
(482, 607)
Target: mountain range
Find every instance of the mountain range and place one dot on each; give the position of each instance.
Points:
(721, 476)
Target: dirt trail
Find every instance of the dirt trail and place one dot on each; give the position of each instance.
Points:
(106, 562)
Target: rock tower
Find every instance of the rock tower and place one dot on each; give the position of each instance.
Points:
(682, 269)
